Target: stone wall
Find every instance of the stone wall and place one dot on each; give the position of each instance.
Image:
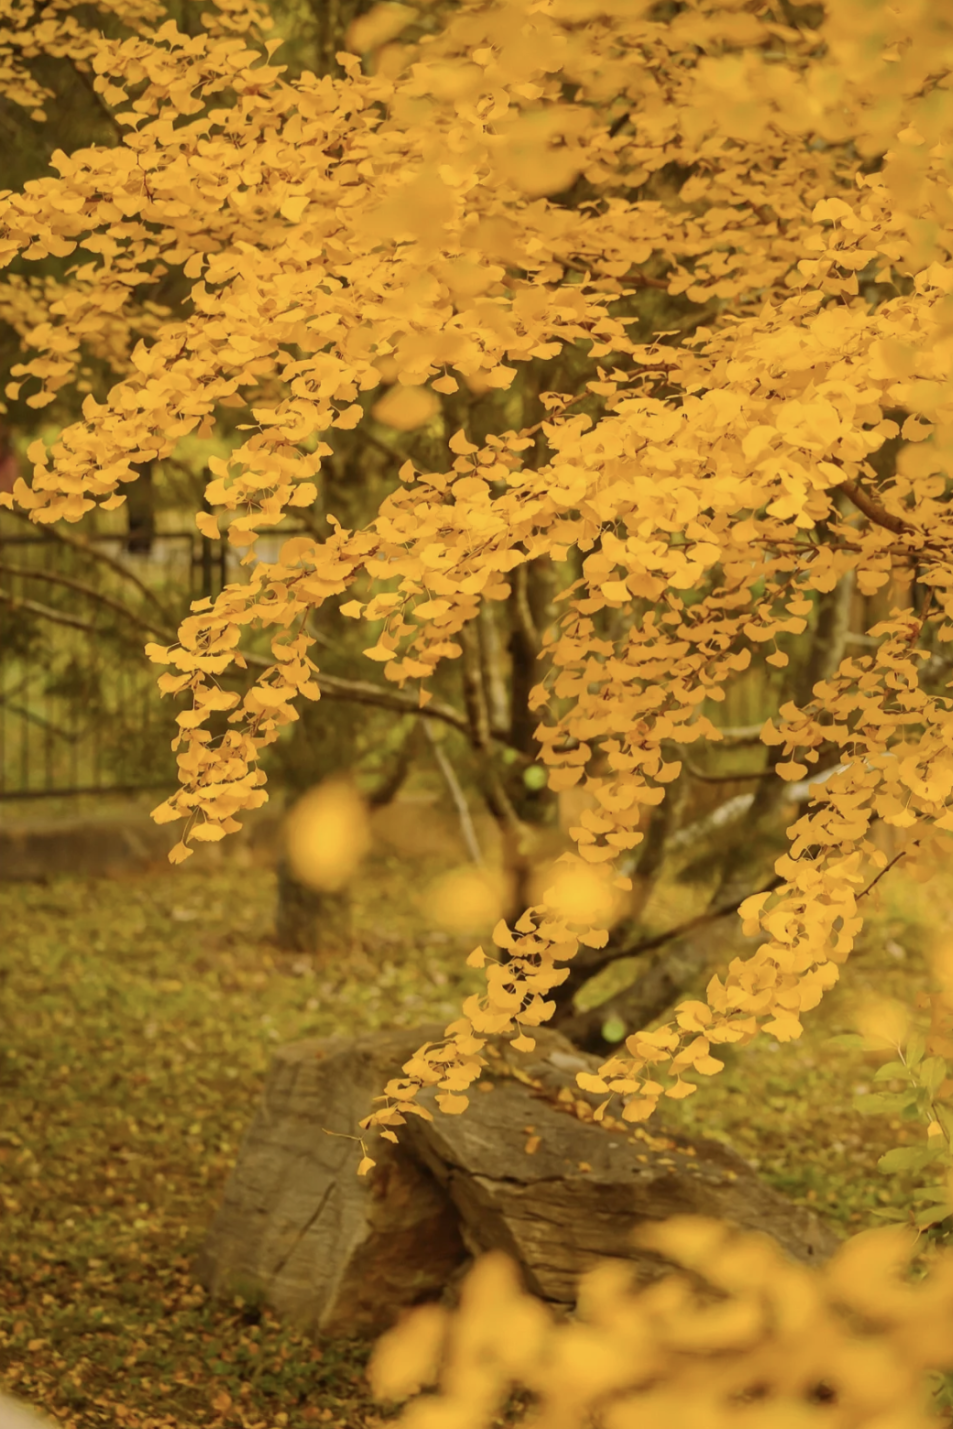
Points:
(115, 839)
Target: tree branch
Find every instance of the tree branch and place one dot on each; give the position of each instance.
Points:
(87, 550)
(593, 961)
(590, 961)
(872, 509)
(56, 617)
(640, 279)
(741, 733)
(522, 611)
(458, 797)
(99, 102)
(54, 579)
(701, 920)
(723, 778)
(365, 692)
(331, 686)
(389, 786)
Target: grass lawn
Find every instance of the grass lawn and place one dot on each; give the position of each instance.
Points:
(138, 1016)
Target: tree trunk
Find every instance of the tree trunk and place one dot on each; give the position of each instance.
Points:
(670, 971)
(645, 868)
(311, 921)
(826, 652)
(140, 512)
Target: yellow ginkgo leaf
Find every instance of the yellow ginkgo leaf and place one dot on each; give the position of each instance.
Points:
(327, 835)
(405, 408)
(465, 899)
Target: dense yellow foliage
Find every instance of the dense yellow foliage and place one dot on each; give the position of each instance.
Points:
(398, 230)
(753, 1356)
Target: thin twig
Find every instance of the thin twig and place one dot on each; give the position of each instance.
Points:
(89, 550)
(56, 617)
(458, 796)
(874, 881)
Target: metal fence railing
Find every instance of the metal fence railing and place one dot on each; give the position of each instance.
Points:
(79, 708)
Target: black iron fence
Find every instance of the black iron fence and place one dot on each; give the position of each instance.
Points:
(79, 708)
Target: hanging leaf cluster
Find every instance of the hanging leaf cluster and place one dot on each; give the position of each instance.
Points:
(365, 248)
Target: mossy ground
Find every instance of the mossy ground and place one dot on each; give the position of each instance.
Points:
(139, 1015)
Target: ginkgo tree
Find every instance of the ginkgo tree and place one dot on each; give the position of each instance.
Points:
(380, 243)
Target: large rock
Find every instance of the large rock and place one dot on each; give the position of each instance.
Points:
(17, 1416)
(337, 1253)
(530, 1172)
(524, 1169)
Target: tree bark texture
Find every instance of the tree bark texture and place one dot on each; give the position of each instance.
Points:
(308, 920)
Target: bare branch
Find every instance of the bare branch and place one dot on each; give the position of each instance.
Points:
(872, 509)
(723, 816)
(365, 692)
(588, 962)
(56, 617)
(53, 578)
(593, 961)
(886, 869)
(88, 550)
(388, 787)
(458, 796)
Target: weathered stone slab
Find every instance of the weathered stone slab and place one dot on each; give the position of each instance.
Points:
(113, 842)
(38, 849)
